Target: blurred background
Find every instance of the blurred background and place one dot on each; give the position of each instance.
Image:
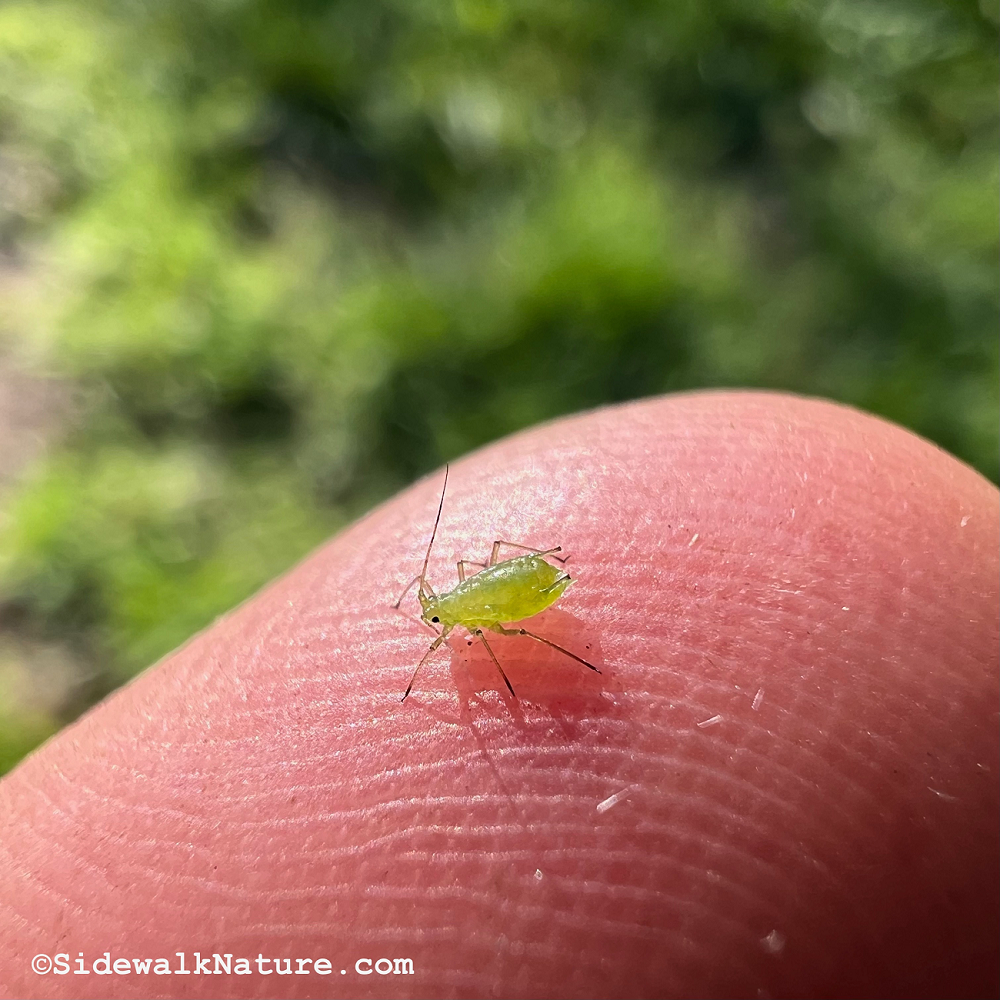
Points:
(264, 262)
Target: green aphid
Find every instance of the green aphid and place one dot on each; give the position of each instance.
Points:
(507, 591)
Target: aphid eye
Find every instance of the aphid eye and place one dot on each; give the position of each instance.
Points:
(435, 619)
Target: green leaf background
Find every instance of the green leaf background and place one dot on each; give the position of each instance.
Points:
(287, 256)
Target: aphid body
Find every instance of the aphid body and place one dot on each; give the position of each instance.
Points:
(508, 591)
(505, 591)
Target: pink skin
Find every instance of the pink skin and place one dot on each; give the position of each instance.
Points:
(822, 582)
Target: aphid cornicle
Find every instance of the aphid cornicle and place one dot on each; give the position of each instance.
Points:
(506, 591)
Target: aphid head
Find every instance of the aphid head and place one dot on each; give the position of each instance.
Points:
(430, 609)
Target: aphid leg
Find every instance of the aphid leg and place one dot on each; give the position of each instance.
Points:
(427, 589)
(462, 563)
(493, 657)
(405, 592)
(430, 649)
(548, 642)
(555, 583)
(527, 548)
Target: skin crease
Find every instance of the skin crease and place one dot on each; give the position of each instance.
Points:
(794, 607)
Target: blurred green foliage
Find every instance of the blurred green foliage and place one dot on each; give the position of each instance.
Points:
(293, 253)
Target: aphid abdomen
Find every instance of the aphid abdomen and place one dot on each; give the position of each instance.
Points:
(507, 592)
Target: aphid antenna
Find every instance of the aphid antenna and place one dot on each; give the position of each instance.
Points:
(430, 544)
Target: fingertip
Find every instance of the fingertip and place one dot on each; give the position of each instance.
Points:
(842, 566)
